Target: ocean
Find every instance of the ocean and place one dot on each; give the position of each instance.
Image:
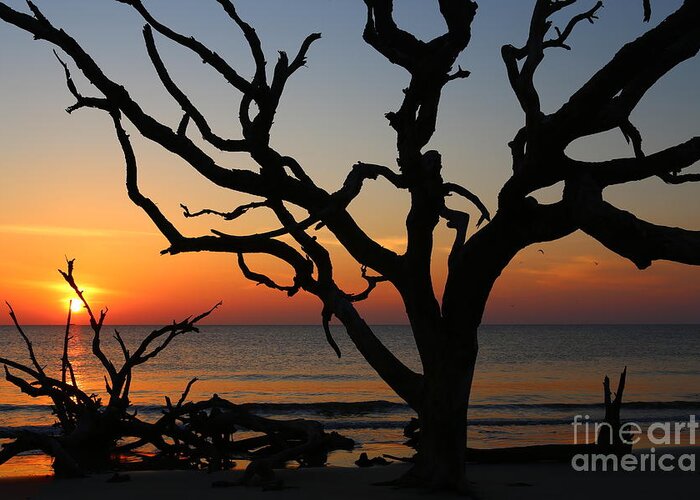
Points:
(531, 380)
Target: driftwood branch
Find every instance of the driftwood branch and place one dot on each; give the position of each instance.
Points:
(93, 435)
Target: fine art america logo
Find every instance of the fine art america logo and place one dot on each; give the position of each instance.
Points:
(658, 434)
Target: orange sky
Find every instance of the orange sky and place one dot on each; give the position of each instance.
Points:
(124, 271)
(62, 191)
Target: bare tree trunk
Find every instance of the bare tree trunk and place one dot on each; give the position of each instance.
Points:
(443, 418)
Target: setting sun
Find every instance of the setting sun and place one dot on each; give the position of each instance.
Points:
(76, 306)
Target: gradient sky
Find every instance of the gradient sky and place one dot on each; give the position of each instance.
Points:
(62, 190)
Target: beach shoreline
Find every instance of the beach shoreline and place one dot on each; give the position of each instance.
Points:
(487, 481)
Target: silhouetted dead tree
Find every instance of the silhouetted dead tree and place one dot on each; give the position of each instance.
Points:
(445, 331)
(94, 435)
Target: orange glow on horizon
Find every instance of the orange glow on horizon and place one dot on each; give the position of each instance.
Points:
(572, 282)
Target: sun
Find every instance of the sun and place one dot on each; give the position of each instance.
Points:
(76, 306)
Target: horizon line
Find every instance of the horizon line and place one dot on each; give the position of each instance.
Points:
(63, 325)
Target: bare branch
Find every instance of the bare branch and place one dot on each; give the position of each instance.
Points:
(182, 126)
(608, 98)
(27, 342)
(120, 99)
(632, 135)
(335, 302)
(460, 73)
(647, 11)
(396, 374)
(637, 240)
(382, 33)
(81, 102)
(522, 80)
(663, 164)
(186, 392)
(301, 192)
(234, 214)
(253, 40)
(66, 365)
(372, 282)
(300, 59)
(122, 344)
(274, 233)
(167, 334)
(675, 178)
(297, 170)
(208, 56)
(562, 36)
(316, 252)
(45, 386)
(261, 279)
(361, 172)
(326, 316)
(190, 110)
(459, 221)
(95, 323)
(465, 193)
(151, 209)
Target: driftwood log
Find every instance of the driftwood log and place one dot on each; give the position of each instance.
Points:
(95, 433)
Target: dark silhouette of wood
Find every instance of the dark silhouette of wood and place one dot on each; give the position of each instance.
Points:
(94, 436)
(608, 440)
(365, 461)
(445, 331)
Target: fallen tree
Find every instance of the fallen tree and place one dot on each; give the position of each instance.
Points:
(95, 433)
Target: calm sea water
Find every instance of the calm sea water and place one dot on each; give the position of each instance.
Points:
(530, 383)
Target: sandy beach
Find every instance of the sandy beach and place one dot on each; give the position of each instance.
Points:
(530, 481)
